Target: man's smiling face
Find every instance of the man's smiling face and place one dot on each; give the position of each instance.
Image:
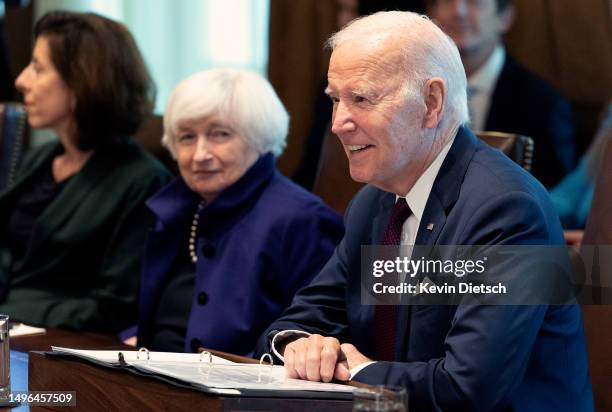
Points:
(378, 123)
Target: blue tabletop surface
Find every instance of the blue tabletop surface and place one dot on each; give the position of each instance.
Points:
(19, 375)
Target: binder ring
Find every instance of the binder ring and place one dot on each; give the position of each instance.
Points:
(262, 364)
(206, 353)
(263, 359)
(143, 351)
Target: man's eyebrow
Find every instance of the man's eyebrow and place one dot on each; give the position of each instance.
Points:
(365, 92)
(356, 92)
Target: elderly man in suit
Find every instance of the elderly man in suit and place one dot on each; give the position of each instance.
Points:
(503, 95)
(399, 93)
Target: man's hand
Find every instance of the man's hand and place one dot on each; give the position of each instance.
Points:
(318, 358)
(313, 358)
(352, 356)
(131, 341)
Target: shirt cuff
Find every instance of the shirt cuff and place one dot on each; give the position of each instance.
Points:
(284, 335)
(359, 368)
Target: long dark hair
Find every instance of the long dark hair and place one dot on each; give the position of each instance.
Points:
(99, 61)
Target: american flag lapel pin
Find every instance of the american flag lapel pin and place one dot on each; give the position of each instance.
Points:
(430, 227)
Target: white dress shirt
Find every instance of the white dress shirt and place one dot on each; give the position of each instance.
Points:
(418, 196)
(481, 85)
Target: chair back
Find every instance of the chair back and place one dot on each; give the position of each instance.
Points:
(149, 137)
(13, 141)
(516, 146)
(334, 185)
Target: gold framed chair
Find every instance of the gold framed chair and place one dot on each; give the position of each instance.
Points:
(149, 137)
(516, 146)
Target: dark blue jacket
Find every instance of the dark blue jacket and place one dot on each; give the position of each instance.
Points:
(457, 358)
(524, 103)
(263, 238)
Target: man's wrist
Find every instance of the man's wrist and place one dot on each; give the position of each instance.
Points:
(359, 368)
(281, 339)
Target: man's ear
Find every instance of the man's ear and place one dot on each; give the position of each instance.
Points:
(435, 95)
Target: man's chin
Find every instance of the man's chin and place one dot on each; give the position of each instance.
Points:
(360, 176)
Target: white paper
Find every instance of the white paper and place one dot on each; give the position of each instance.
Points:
(20, 329)
(237, 376)
(112, 356)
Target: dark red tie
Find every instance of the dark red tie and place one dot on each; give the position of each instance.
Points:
(385, 316)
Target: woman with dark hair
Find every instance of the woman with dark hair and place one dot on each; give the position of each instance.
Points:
(72, 228)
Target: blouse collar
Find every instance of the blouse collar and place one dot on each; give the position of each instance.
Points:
(177, 200)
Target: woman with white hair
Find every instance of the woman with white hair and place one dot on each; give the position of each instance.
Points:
(234, 239)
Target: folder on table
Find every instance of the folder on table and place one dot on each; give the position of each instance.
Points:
(211, 374)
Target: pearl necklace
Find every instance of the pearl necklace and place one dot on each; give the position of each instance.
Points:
(193, 233)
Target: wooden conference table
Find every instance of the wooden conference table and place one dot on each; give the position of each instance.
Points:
(103, 389)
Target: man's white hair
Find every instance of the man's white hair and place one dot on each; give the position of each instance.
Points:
(242, 98)
(427, 52)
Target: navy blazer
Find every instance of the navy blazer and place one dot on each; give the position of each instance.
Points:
(261, 240)
(524, 103)
(455, 358)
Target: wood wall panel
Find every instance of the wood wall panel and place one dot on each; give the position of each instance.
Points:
(298, 64)
(569, 43)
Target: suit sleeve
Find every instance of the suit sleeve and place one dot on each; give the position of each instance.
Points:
(487, 348)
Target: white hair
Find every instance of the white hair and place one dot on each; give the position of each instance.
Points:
(242, 98)
(427, 52)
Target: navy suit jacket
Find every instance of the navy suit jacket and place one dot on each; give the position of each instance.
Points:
(524, 103)
(455, 358)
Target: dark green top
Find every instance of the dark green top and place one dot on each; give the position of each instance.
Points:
(81, 269)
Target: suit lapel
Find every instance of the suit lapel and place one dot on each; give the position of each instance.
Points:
(173, 207)
(382, 217)
(382, 213)
(446, 187)
(434, 217)
(443, 196)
